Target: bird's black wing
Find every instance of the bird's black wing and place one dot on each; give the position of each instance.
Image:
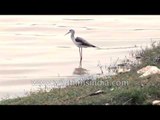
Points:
(83, 42)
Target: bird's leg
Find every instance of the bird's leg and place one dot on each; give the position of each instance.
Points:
(80, 57)
(81, 53)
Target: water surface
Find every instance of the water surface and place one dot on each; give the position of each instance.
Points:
(35, 48)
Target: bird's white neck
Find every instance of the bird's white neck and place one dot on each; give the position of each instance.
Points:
(72, 36)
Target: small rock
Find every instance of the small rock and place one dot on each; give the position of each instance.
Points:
(111, 89)
(123, 70)
(106, 103)
(156, 102)
(96, 93)
(148, 70)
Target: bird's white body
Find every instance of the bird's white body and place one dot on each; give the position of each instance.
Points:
(73, 39)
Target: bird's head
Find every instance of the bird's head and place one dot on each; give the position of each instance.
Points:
(70, 31)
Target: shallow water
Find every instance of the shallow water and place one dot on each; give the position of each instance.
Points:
(35, 48)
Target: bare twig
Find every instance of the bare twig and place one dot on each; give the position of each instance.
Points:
(116, 61)
(100, 67)
(91, 94)
(96, 93)
(127, 101)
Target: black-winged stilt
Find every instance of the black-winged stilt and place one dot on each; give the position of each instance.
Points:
(79, 42)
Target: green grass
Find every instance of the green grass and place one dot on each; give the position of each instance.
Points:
(135, 91)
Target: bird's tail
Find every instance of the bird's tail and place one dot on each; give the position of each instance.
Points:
(98, 47)
(95, 47)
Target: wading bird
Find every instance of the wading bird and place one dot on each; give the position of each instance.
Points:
(79, 42)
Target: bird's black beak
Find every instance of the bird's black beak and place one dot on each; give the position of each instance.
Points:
(67, 33)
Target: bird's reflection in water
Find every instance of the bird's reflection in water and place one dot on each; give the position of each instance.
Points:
(80, 70)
